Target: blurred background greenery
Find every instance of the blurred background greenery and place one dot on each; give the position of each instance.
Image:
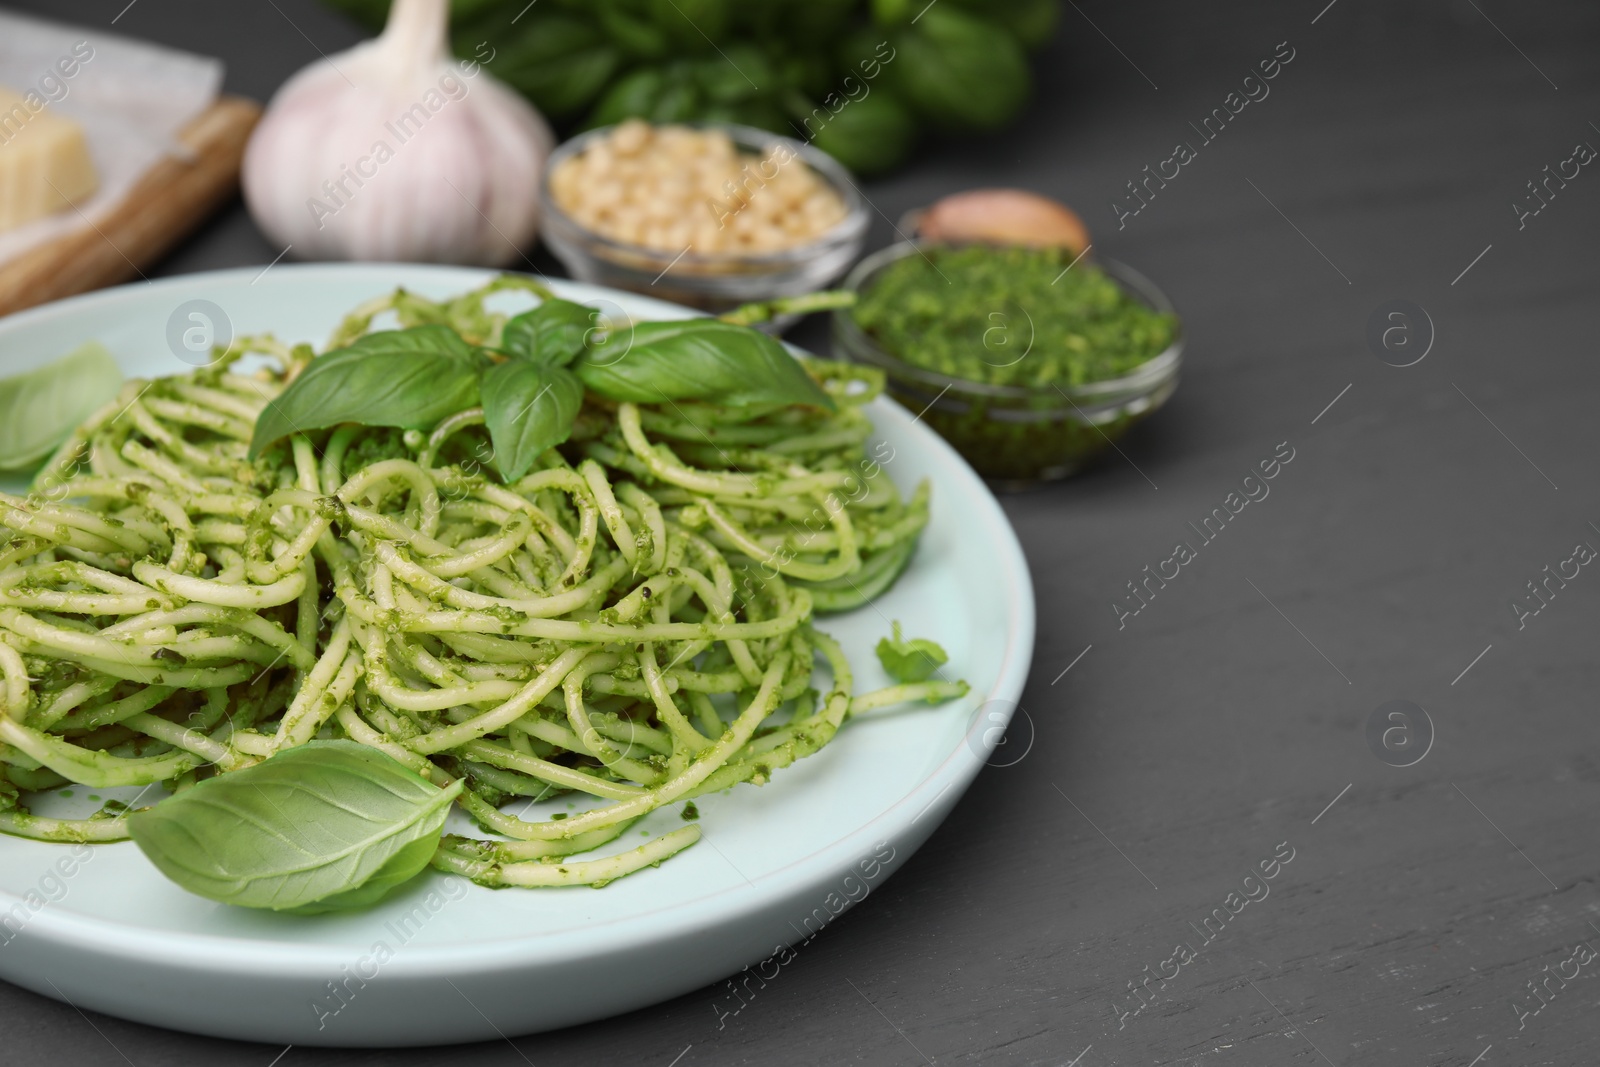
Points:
(861, 79)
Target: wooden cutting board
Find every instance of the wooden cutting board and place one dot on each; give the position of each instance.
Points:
(169, 202)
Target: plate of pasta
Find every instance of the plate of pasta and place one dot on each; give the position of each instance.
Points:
(399, 655)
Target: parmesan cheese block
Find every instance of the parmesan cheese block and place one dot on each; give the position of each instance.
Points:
(44, 161)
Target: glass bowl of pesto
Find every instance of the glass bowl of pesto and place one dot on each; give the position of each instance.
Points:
(1029, 362)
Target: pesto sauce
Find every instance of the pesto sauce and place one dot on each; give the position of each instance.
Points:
(1010, 316)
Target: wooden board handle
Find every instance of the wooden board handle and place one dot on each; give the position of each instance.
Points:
(166, 205)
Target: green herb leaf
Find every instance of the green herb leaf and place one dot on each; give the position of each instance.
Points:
(634, 33)
(40, 408)
(559, 61)
(910, 661)
(630, 96)
(1031, 22)
(887, 13)
(958, 70)
(312, 825)
(436, 340)
(719, 77)
(403, 866)
(554, 332)
(697, 359)
(527, 409)
(405, 378)
(871, 135)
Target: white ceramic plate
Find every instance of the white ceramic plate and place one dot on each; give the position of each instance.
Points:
(447, 961)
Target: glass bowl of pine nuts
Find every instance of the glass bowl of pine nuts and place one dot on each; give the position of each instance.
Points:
(711, 215)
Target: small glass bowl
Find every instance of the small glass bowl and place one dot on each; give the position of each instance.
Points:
(1018, 437)
(719, 281)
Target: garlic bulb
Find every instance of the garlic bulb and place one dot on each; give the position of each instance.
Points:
(395, 151)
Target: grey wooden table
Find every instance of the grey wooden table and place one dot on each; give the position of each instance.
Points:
(1103, 899)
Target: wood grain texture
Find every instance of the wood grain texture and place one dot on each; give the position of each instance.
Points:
(167, 204)
(1210, 730)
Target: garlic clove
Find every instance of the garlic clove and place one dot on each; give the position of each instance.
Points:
(395, 151)
(1004, 216)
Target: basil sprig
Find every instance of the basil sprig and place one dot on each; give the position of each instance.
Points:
(532, 387)
(326, 826)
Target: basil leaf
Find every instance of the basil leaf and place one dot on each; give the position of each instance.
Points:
(40, 408)
(910, 661)
(697, 359)
(554, 332)
(560, 62)
(400, 869)
(405, 378)
(311, 824)
(958, 70)
(874, 134)
(527, 409)
(434, 340)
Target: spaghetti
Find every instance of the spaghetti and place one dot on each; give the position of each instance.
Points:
(630, 621)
